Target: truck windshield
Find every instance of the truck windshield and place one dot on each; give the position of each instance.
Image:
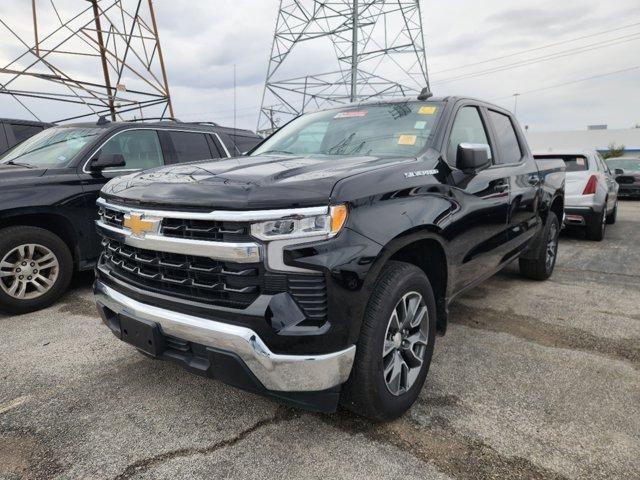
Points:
(55, 147)
(392, 129)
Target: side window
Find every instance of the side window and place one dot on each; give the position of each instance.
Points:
(467, 128)
(506, 138)
(140, 149)
(190, 146)
(244, 144)
(22, 132)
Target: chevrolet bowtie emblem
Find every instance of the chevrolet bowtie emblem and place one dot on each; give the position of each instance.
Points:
(140, 226)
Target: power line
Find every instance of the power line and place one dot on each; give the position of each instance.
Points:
(544, 58)
(549, 45)
(571, 82)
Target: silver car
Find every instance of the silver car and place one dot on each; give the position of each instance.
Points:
(591, 192)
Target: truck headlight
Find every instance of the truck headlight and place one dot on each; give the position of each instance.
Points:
(326, 225)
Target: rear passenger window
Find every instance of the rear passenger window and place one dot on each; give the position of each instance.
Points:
(507, 139)
(22, 132)
(190, 146)
(244, 144)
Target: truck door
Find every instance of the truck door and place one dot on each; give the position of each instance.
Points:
(513, 158)
(478, 229)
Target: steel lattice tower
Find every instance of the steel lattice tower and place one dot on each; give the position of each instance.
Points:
(377, 49)
(104, 59)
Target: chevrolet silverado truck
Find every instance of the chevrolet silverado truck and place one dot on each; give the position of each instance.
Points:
(319, 269)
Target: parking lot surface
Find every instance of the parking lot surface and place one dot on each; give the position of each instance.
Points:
(532, 380)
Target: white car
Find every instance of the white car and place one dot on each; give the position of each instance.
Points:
(591, 192)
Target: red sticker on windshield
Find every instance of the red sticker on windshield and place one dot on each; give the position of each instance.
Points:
(351, 114)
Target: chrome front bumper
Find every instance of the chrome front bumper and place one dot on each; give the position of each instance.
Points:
(292, 373)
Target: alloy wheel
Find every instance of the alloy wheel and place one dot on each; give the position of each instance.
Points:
(28, 271)
(405, 343)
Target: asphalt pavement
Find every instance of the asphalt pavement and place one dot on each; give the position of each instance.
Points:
(533, 380)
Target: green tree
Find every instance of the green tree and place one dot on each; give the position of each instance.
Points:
(614, 151)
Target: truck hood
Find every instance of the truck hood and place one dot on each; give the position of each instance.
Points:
(246, 182)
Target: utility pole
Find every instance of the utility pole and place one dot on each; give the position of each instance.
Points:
(354, 53)
(515, 104)
(35, 26)
(152, 14)
(103, 58)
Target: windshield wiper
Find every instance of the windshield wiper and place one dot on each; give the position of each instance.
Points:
(279, 151)
(13, 162)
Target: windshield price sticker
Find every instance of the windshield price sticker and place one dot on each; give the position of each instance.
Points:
(407, 139)
(421, 125)
(427, 110)
(351, 114)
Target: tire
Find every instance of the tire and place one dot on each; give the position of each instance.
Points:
(27, 249)
(611, 218)
(596, 227)
(541, 266)
(367, 392)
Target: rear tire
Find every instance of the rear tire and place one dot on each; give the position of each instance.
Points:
(596, 227)
(611, 218)
(36, 267)
(541, 266)
(391, 364)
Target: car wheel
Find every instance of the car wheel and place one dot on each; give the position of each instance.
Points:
(596, 227)
(611, 218)
(35, 269)
(541, 267)
(394, 351)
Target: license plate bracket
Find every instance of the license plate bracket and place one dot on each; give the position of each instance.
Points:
(142, 334)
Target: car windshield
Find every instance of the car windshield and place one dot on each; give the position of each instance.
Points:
(385, 130)
(626, 164)
(51, 148)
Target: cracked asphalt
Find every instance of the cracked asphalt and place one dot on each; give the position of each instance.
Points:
(532, 380)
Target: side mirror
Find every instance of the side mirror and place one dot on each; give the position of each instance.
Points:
(473, 156)
(618, 171)
(105, 160)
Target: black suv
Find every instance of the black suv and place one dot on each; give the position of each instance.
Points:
(49, 185)
(13, 132)
(320, 267)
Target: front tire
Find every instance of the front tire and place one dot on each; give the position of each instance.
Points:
(541, 266)
(35, 269)
(395, 347)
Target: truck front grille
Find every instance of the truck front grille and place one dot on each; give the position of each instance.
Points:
(193, 278)
(202, 279)
(208, 230)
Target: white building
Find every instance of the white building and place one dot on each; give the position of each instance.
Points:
(598, 139)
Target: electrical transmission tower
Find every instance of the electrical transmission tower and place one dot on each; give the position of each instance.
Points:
(104, 59)
(373, 48)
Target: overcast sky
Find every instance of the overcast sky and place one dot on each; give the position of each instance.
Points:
(203, 40)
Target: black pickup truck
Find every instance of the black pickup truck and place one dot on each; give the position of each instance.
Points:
(319, 269)
(49, 185)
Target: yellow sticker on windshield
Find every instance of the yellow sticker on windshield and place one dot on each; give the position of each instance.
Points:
(407, 139)
(427, 110)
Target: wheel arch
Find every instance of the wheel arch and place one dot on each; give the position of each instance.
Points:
(425, 248)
